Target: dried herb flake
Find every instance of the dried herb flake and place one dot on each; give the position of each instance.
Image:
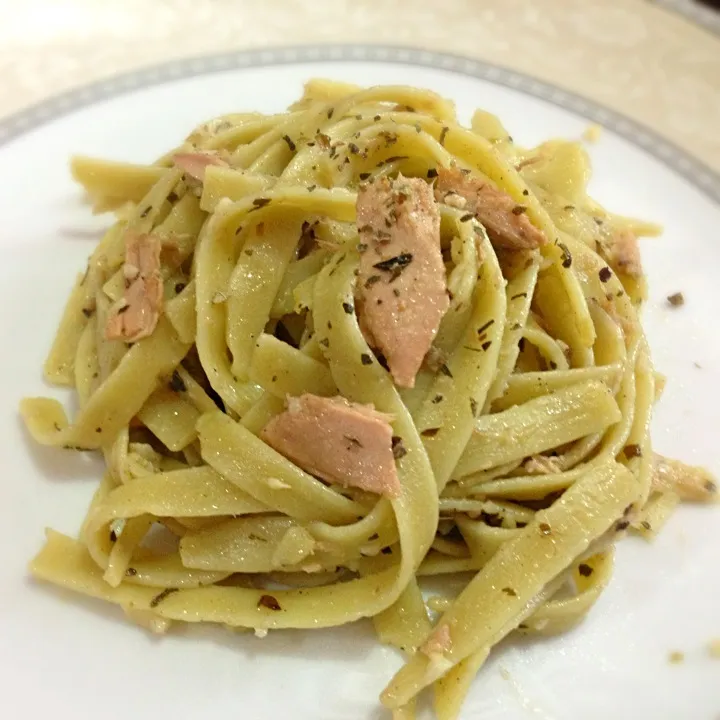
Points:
(176, 382)
(398, 449)
(566, 256)
(269, 602)
(159, 598)
(633, 451)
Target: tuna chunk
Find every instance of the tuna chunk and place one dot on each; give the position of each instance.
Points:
(439, 641)
(507, 225)
(402, 292)
(623, 253)
(338, 441)
(195, 163)
(136, 314)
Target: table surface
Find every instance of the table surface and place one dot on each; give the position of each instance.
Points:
(656, 62)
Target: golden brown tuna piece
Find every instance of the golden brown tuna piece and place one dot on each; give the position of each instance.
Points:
(402, 291)
(507, 225)
(338, 441)
(136, 314)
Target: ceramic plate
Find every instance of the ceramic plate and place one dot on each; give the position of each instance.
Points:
(62, 655)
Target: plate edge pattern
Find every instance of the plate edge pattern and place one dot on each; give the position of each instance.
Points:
(683, 163)
(707, 18)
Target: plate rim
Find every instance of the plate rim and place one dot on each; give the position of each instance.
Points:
(700, 175)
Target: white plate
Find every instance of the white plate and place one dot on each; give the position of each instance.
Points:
(62, 655)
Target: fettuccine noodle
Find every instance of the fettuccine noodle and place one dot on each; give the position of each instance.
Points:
(230, 302)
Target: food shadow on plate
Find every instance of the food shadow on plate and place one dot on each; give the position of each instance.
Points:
(332, 645)
(59, 464)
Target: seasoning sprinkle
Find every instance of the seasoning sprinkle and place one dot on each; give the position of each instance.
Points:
(467, 217)
(159, 598)
(146, 211)
(398, 449)
(261, 202)
(324, 342)
(176, 382)
(311, 188)
(443, 134)
(179, 287)
(131, 572)
(676, 299)
(330, 113)
(445, 370)
(289, 142)
(395, 264)
(526, 192)
(354, 442)
(113, 536)
(432, 173)
(372, 280)
(87, 312)
(484, 327)
(519, 210)
(566, 256)
(509, 591)
(519, 295)
(605, 274)
(322, 140)
(430, 432)
(172, 196)
(633, 451)
(269, 602)
(365, 359)
(348, 308)
(486, 344)
(585, 570)
(437, 399)
(622, 525)
(364, 175)
(392, 159)
(545, 529)
(473, 406)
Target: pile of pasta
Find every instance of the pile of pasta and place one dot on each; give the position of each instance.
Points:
(525, 451)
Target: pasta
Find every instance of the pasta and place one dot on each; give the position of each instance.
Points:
(329, 352)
